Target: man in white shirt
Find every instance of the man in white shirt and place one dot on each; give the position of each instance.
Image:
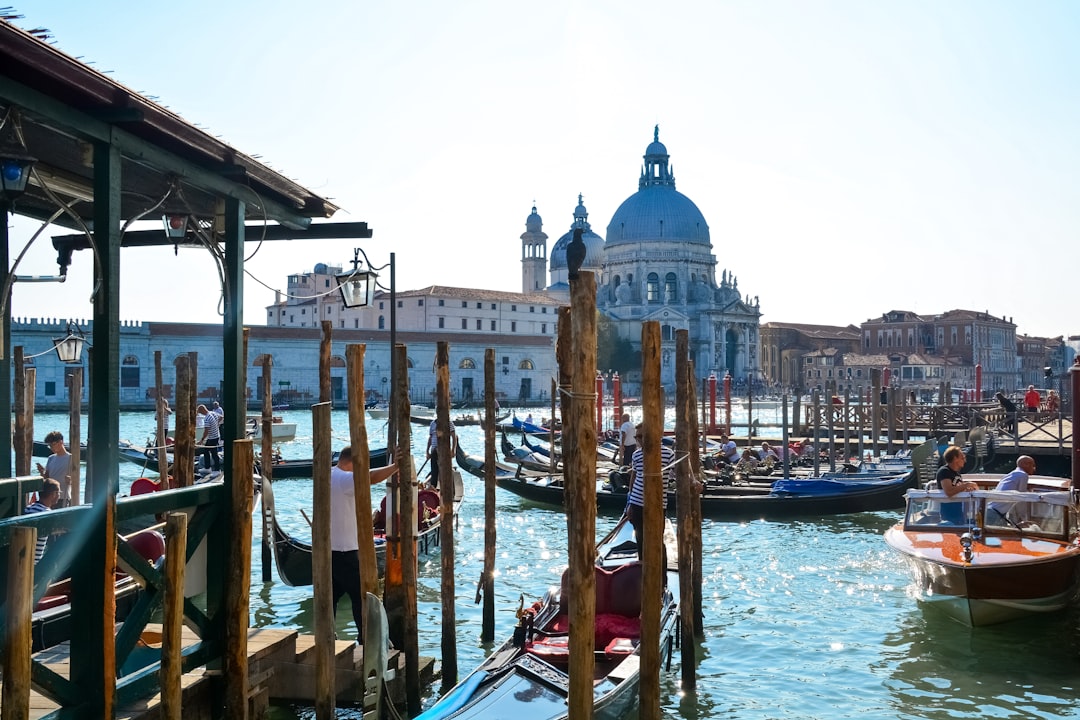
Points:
(433, 452)
(626, 439)
(344, 551)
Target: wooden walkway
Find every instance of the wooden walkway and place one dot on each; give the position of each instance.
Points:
(281, 667)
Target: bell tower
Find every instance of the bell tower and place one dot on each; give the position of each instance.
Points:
(533, 254)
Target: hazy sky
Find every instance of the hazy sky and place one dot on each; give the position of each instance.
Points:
(850, 157)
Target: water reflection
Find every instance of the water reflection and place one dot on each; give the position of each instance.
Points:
(943, 669)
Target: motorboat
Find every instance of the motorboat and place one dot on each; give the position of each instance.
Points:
(988, 556)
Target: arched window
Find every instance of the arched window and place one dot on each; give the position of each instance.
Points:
(408, 362)
(616, 281)
(652, 288)
(467, 364)
(670, 287)
(525, 365)
(382, 322)
(130, 360)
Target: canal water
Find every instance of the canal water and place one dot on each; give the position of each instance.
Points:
(803, 618)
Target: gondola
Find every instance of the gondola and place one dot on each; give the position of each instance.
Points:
(281, 469)
(809, 497)
(293, 556)
(527, 677)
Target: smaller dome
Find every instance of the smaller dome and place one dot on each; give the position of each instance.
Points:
(320, 269)
(534, 223)
(594, 244)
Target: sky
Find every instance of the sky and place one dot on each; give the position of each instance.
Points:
(850, 157)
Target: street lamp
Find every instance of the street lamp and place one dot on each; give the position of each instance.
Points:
(69, 349)
(358, 290)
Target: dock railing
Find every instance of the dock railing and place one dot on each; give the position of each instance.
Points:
(135, 673)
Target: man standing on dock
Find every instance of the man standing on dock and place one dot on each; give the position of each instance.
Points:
(635, 501)
(626, 439)
(1032, 399)
(58, 466)
(344, 551)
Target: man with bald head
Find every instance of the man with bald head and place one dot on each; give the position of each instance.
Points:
(1016, 480)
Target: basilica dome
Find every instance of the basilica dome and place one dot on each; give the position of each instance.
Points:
(657, 212)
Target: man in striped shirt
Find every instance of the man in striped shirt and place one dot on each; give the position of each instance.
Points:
(635, 501)
(47, 498)
(212, 437)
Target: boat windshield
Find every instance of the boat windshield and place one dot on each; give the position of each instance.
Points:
(996, 512)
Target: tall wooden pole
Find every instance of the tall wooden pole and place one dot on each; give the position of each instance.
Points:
(579, 465)
(172, 627)
(75, 432)
(407, 533)
(238, 580)
(361, 454)
(652, 400)
(875, 410)
(446, 513)
(487, 631)
(19, 603)
(685, 443)
(325, 345)
(563, 354)
(22, 458)
(321, 575)
(696, 472)
(266, 451)
(161, 426)
(184, 436)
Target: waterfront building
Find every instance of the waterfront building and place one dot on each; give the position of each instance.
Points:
(786, 346)
(962, 337)
(523, 367)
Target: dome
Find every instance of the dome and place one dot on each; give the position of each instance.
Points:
(594, 250)
(594, 244)
(533, 223)
(657, 212)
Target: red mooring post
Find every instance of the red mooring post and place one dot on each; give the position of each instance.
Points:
(712, 403)
(599, 403)
(727, 401)
(978, 381)
(1074, 376)
(616, 397)
(886, 374)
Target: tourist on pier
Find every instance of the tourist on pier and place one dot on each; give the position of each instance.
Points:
(1053, 402)
(433, 451)
(1017, 481)
(212, 437)
(58, 466)
(626, 439)
(949, 479)
(635, 501)
(47, 500)
(1032, 399)
(344, 550)
(219, 411)
(1009, 424)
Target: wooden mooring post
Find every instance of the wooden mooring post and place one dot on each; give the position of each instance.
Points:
(184, 435)
(686, 485)
(445, 453)
(322, 604)
(580, 478)
(652, 551)
(487, 577)
(19, 601)
(176, 526)
(361, 456)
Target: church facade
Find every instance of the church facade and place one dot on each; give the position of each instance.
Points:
(656, 263)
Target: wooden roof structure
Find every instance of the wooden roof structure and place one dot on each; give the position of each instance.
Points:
(105, 156)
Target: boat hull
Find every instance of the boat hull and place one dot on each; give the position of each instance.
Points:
(1019, 576)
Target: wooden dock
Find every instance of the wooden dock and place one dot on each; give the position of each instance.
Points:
(281, 668)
